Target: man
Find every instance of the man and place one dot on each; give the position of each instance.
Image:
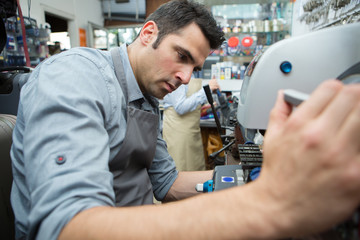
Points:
(84, 143)
(181, 124)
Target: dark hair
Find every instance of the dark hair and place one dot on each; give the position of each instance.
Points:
(172, 16)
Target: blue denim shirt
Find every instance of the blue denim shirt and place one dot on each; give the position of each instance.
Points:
(71, 122)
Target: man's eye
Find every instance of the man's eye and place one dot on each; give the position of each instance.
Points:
(181, 56)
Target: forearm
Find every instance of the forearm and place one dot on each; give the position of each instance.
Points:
(190, 103)
(234, 213)
(184, 185)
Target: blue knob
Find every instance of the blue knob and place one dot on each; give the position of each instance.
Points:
(285, 67)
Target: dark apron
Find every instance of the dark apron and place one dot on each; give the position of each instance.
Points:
(132, 184)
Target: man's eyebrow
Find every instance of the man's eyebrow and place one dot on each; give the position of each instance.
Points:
(187, 53)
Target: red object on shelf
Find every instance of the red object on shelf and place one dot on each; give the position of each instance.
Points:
(233, 42)
(247, 41)
(26, 50)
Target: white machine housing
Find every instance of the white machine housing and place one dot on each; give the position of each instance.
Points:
(315, 57)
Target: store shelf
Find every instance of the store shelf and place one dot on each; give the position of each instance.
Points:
(228, 2)
(227, 85)
(249, 27)
(265, 22)
(232, 34)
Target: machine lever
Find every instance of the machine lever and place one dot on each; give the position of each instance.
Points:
(214, 154)
(211, 101)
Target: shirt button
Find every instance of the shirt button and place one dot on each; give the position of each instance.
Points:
(60, 160)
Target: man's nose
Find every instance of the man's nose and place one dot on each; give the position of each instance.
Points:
(185, 75)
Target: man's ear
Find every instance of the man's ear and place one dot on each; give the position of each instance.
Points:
(148, 33)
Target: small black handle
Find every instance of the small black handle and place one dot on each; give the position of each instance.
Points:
(353, 70)
(211, 101)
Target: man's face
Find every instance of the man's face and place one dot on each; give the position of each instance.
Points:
(173, 61)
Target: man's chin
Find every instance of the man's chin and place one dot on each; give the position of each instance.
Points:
(161, 95)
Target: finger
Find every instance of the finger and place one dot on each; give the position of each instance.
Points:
(351, 128)
(280, 113)
(342, 106)
(318, 100)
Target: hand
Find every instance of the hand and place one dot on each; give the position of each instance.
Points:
(311, 169)
(213, 84)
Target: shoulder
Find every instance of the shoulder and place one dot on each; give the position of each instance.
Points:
(76, 69)
(97, 57)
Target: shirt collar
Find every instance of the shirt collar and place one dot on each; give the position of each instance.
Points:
(134, 92)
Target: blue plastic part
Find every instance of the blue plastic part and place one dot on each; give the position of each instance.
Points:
(286, 67)
(228, 179)
(254, 174)
(208, 186)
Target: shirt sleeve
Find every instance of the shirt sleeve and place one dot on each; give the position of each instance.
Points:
(163, 171)
(66, 148)
(183, 104)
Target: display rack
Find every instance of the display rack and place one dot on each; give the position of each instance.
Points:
(249, 27)
(321, 14)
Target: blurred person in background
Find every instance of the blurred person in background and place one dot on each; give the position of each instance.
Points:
(181, 124)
